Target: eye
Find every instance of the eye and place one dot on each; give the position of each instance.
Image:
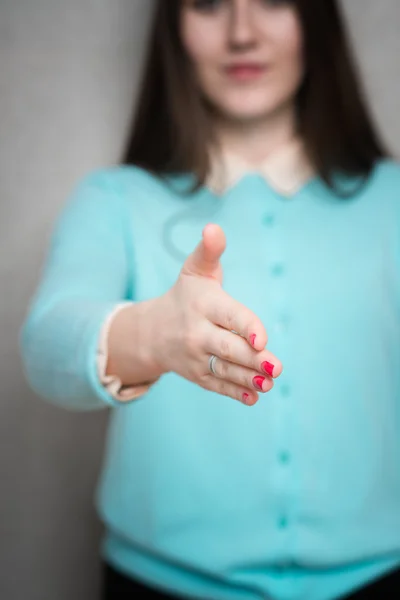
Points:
(277, 3)
(206, 5)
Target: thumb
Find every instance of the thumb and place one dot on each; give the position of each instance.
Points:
(205, 260)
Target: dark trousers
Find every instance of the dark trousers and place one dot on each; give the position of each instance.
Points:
(118, 587)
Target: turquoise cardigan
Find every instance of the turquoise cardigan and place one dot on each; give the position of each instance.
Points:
(297, 497)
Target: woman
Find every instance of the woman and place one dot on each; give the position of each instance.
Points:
(251, 136)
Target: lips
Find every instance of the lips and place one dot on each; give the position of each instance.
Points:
(245, 71)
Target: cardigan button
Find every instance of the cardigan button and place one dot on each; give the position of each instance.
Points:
(285, 390)
(268, 219)
(283, 523)
(284, 457)
(277, 269)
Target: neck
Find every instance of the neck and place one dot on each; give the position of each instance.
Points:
(256, 139)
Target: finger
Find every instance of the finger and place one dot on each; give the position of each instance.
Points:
(205, 260)
(226, 388)
(241, 376)
(233, 348)
(232, 315)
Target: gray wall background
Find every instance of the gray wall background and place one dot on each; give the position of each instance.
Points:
(69, 71)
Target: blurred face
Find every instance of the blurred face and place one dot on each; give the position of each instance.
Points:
(247, 54)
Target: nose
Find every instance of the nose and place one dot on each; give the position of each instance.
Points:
(242, 34)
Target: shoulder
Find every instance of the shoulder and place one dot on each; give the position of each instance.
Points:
(383, 186)
(117, 180)
(382, 181)
(125, 179)
(386, 175)
(382, 192)
(112, 191)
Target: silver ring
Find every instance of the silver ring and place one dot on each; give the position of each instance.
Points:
(211, 364)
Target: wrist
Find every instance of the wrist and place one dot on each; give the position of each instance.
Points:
(151, 335)
(132, 344)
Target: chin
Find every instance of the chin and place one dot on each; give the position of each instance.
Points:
(247, 113)
(248, 109)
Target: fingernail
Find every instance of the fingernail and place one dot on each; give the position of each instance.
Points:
(268, 368)
(258, 381)
(253, 339)
(245, 397)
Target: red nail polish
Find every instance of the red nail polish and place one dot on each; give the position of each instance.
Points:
(268, 368)
(253, 339)
(258, 381)
(245, 397)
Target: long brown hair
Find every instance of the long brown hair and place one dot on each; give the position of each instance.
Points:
(171, 132)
